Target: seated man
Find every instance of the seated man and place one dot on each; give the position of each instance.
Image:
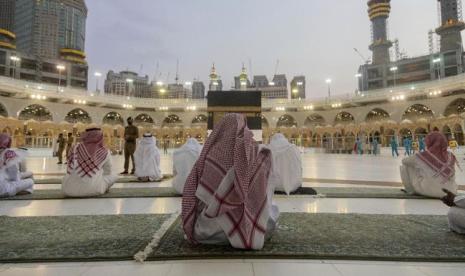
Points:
(286, 173)
(227, 198)
(457, 211)
(428, 172)
(184, 159)
(147, 159)
(89, 171)
(14, 179)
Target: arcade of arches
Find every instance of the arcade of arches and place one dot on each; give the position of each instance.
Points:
(33, 126)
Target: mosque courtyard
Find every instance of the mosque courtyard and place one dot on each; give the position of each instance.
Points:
(320, 171)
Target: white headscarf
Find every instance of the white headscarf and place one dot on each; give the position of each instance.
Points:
(184, 159)
(286, 174)
(147, 158)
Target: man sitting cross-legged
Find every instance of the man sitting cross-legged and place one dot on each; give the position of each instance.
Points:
(89, 171)
(14, 179)
(227, 198)
(286, 175)
(184, 159)
(147, 159)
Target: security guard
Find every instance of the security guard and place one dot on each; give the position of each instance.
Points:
(131, 133)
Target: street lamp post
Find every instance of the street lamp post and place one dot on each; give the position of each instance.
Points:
(97, 76)
(359, 76)
(129, 82)
(394, 70)
(328, 82)
(15, 60)
(60, 68)
(437, 67)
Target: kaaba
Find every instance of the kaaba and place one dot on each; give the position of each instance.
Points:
(248, 103)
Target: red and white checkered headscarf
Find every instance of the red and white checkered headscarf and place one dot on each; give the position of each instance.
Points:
(88, 156)
(7, 156)
(230, 146)
(437, 157)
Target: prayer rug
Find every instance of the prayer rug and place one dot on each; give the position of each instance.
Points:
(335, 236)
(320, 192)
(76, 238)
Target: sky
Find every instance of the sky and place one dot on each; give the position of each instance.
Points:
(314, 38)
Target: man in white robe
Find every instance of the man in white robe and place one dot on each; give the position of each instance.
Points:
(286, 175)
(184, 159)
(457, 211)
(14, 179)
(147, 159)
(89, 171)
(428, 172)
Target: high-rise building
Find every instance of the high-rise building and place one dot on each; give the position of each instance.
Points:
(7, 17)
(51, 28)
(379, 11)
(198, 90)
(451, 26)
(127, 83)
(298, 84)
(260, 81)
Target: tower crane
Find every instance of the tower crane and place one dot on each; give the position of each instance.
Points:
(365, 60)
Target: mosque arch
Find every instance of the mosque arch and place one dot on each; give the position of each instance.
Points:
(143, 119)
(459, 135)
(200, 119)
(113, 118)
(344, 117)
(78, 115)
(447, 131)
(314, 120)
(265, 123)
(3, 111)
(286, 120)
(35, 112)
(416, 112)
(457, 107)
(377, 114)
(421, 132)
(172, 121)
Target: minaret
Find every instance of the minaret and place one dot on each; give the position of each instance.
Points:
(452, 25)
(378, 11)
(214, 80)
(243, 78)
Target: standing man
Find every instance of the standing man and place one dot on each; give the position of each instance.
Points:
(394, 147)
(131, 133)
(69, 144)
(421, 144)
(375, 146)
(61, 147)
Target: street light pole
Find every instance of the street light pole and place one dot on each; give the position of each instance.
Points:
(97, 76)
(129, 82)
(394, 70)
(60, 68)
(437, 67)
(15, 60)
(329, 81)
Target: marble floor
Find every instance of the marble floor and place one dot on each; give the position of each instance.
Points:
(321, 168)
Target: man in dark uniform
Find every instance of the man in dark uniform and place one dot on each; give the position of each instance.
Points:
(131, 133)
(61, 148)
(69, 144)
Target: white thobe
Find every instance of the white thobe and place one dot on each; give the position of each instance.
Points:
(75, 185)
(286, 173)
(457, 215)
(14, 178)
(418, 178)
(184, 160)
(147, 159)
